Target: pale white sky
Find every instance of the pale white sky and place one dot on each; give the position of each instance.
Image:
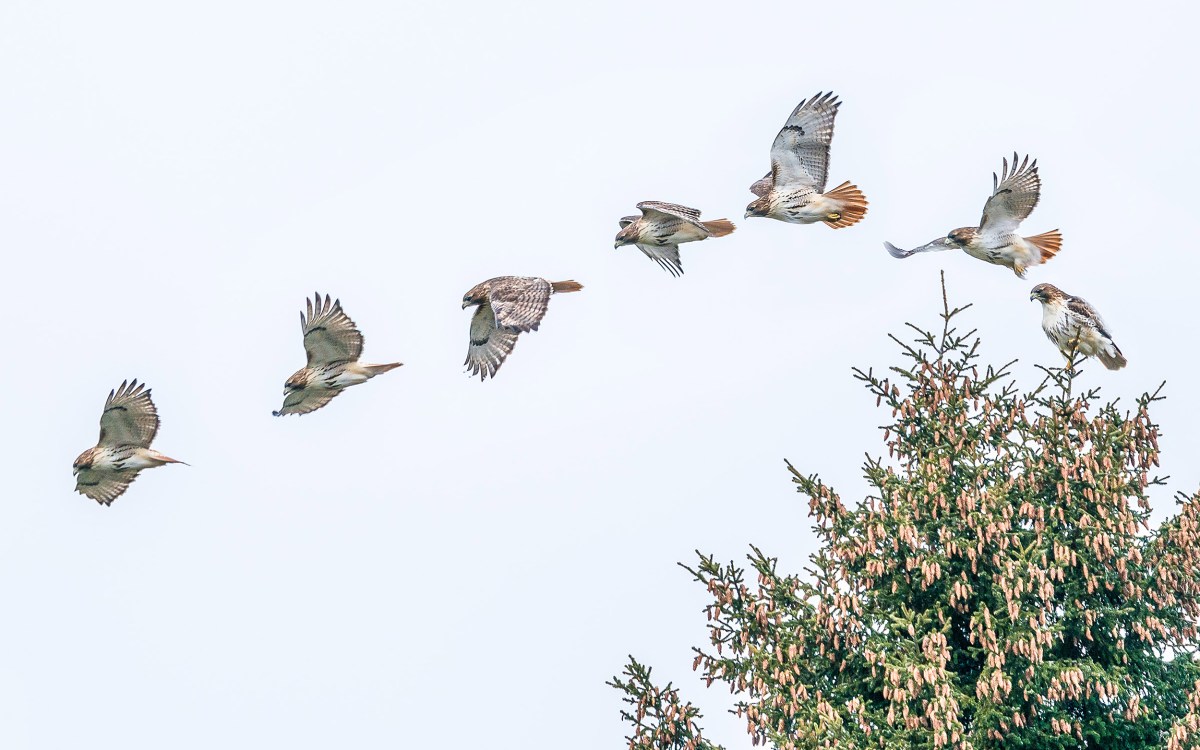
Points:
(432, 562)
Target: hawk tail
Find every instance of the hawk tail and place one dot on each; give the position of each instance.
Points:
(560, 287)
(1047, 243)
(719, 227)
(373, 370)
(1112, 359)
(156, 456)
(853, 208)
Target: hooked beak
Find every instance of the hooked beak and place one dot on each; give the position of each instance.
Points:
(74, 471)
(1034, 298)
(465, 305)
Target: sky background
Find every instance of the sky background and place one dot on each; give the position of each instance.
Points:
(434, 562)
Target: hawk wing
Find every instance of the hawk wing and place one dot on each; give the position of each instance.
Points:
(1086, 315)
(519, 302)
(104, 486)
(667, 256)
(625, 221)
(329, 334)
(489, 345)
(1014, 195)
(763, 186)
(306, 399)
(800, 153)
(657, 211)
(129, 417)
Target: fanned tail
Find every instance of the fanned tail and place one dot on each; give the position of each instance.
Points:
(1048, 243)
(719, 227)
(560, 287)
(854, 205)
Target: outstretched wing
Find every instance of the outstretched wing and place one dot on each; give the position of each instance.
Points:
(657, 211)
(763, 186)
(489, 346)
(306, 400)
(666, 256)
(800, 153)
(519, 302)
(129, 417)
(329, 334)
(941, 243)
(104, 486)
(625, 221)
(1014, 195)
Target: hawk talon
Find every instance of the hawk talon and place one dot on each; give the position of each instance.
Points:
(835, 216)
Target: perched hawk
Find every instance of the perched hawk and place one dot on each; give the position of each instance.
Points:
(662, 227)
(1014, 195)
(127, 427)
(333, 345)
(794, 189)
(1075, 326)
(508, 306)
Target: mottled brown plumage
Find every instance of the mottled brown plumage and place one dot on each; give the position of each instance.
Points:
(663, 227)
(1015, 193)
(507, 306)
(794, 190)
(1075, 327)
(332, 345)
(128, 425)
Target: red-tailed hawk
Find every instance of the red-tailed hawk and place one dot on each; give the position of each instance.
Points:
(662, 227)
(794, 189)
(333, 345)
(1014, 195)
(127, 427)
(1075, 327)
(507, 307)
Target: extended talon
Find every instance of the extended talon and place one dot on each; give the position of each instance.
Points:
(835, 216)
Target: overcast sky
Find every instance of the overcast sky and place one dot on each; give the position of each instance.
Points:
(435, 562)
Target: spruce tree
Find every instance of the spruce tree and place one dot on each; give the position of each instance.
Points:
(1000, 587)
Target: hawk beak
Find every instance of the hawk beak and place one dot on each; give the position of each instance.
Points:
(617, 245)
(74, 471)
(1033, 298)
(464, 306)
(747, 215)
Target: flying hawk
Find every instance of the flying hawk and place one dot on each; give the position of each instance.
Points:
(333, 345)
(794, 189)
(1075, 327)
(662, 227)
(1014, 195)
(507, 307)
(127, 427)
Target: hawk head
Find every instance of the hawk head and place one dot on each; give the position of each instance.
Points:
(477, 295)
(962, 236)
(758, 207)
(1046, 293)
(628, 234)
(84, 461)
(298, 381)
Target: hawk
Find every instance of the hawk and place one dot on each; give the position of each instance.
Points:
(794, 189)
(1014, 196)
(333, 345)
(128, 425)
(1075, 327)
(507, 307)
(662, 227)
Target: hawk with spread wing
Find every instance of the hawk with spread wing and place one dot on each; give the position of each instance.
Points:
(127, 427)
(333, 345)
(663, 227)
(1015, 193)
(507, 306)
(794, 189)
(1075, 327)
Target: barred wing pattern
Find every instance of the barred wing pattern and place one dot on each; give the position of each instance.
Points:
(330, 335)
(129, 417)
(800, 153)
